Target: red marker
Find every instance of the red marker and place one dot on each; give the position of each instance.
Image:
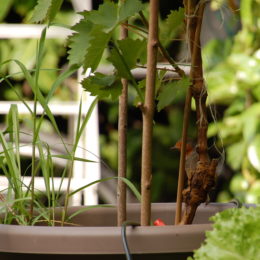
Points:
(158, 222)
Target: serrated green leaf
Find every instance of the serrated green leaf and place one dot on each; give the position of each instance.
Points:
(173, 25)
(118, 63)
(46, 10)
(79, 42)
(109, 15)
(97, 45)
(171, 91)
(133, 51)
(54, 9)
(129, 8)
(106, 16)
(175, 18)
(41, 10)
(103, 86)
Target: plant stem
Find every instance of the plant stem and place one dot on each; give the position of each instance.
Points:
(189, 11)
(148, 111)
(33, 157)
(131, 77)
(202, 179)
(181, 177)
(122, 145)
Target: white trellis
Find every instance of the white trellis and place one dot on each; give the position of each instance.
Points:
(83, 173)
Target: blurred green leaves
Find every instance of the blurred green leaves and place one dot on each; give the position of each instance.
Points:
(233, 76)
(5, 7)
(171, 91)
(103, 86)
(46, 10)
(100, 24)
(172, 26)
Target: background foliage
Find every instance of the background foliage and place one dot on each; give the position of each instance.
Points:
(232, 74)
(232, 67)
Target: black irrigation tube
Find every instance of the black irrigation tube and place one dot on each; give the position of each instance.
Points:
(124, 239)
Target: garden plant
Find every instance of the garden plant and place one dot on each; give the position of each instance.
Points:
(141, 44)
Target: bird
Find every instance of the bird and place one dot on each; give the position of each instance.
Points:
(191, 157)
(191, 161)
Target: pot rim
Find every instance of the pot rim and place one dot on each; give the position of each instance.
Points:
(108, 239)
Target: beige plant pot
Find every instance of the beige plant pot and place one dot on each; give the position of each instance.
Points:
(99, 238)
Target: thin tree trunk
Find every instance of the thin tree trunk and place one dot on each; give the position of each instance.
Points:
(202, 179)
(122, 146)
(148, 112)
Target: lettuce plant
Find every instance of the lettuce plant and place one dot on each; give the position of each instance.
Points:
(235, 236)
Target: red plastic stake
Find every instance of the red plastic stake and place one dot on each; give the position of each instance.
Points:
(158, 222)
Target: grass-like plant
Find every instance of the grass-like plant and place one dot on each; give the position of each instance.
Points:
(21, 203)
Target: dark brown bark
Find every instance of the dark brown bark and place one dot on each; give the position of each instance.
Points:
(202, 180)
(148, 112)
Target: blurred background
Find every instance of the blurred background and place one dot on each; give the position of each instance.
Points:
(231, 57)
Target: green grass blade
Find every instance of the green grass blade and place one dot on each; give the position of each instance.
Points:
(13, 126)
(60, 79)
(79, 131)
(45, 170)
(71, 158)
(40, 54)
(86, 209)
(125, 180)
(12, 166)
(86, 119)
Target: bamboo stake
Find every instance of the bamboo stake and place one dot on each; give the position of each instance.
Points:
(122, 145)
(189, 12)
(181, 177)
(148, 112)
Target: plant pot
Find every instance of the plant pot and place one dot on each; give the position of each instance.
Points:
(99, 238)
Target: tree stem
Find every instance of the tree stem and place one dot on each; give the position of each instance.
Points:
(202, 179)
(189, 12)
(148, 112)
(181, 177)
(122, 146)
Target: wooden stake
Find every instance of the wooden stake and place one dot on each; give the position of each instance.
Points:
(181, 177)
(189, 12)
(122, 145)
(148, 112)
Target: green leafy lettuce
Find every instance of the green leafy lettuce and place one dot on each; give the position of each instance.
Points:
(235, 236)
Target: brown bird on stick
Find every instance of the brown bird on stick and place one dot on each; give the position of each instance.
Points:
(191, 157)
